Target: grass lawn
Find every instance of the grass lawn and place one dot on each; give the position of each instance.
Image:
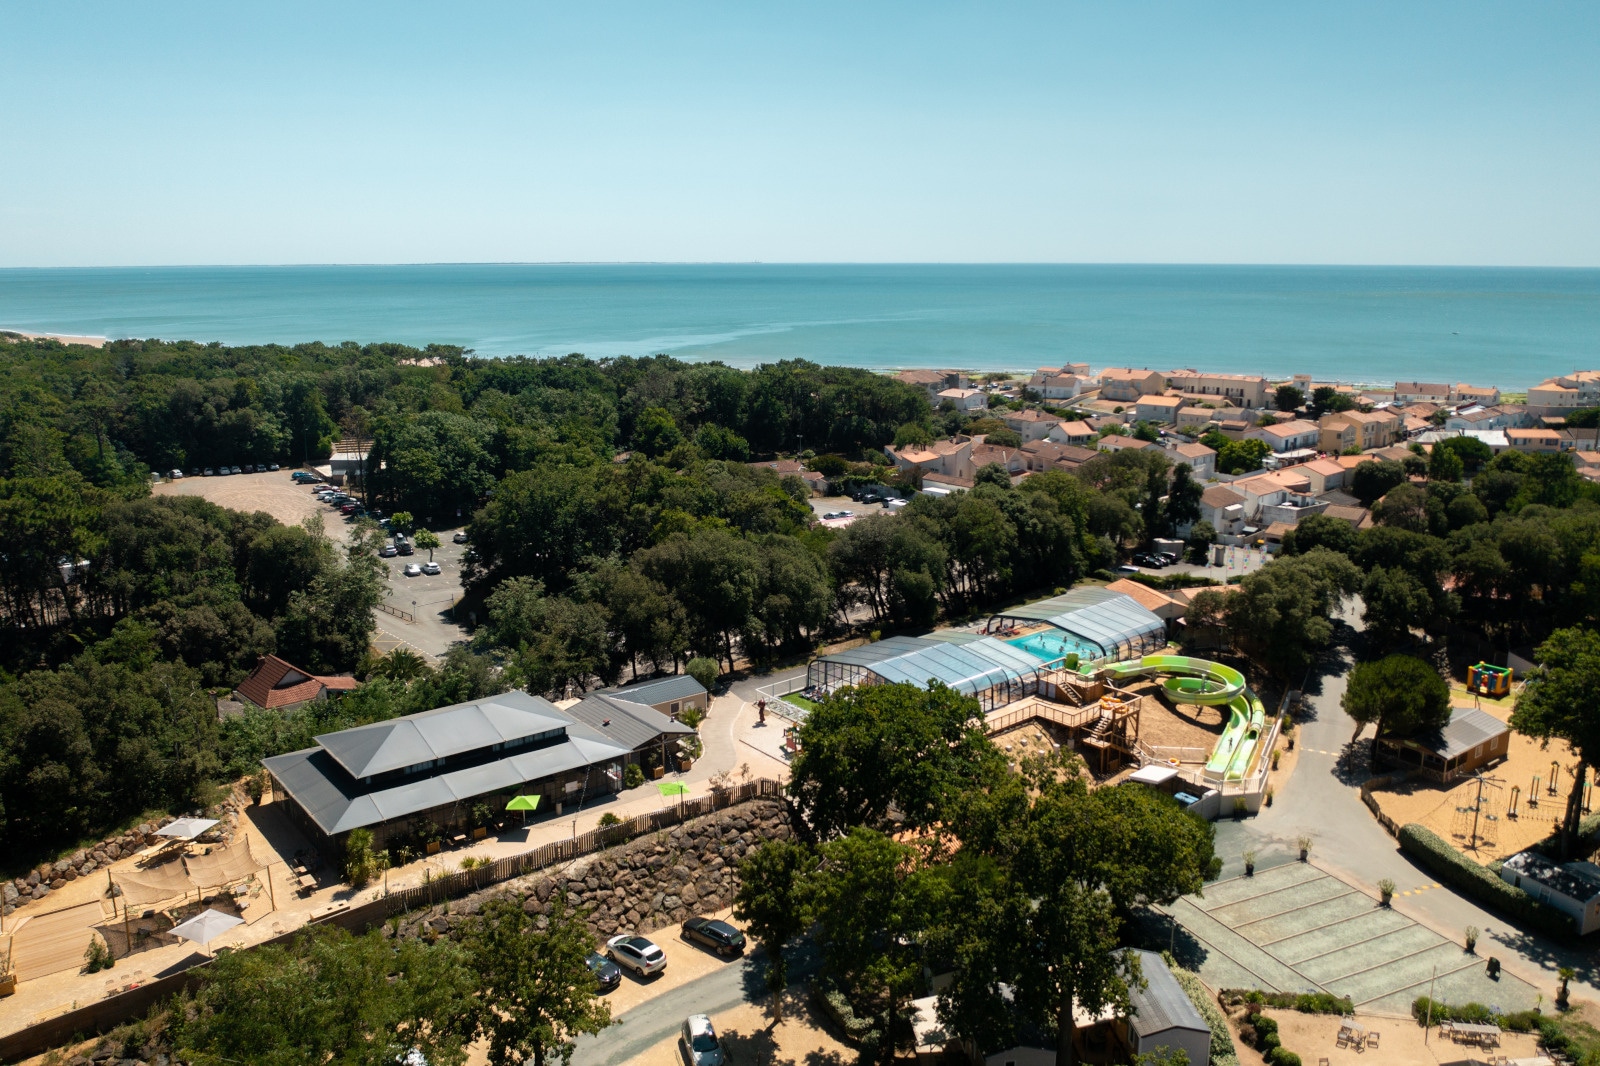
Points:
(800, 701)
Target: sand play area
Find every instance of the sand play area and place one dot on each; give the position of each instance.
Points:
(1447, 809)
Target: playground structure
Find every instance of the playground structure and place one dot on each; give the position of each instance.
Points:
(1209, 684)
(1487, 680)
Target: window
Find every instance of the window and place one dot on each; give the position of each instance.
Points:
(675, 706)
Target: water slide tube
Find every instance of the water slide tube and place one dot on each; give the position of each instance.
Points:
(1209, 684)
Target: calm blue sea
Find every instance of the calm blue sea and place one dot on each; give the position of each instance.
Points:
(1363, 324)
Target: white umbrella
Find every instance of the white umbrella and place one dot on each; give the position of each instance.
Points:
(186, 828)
(206, 926)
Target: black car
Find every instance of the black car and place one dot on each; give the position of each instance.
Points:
(607, 974)
(719, 936)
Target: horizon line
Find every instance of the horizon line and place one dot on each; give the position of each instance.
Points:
(810, 262)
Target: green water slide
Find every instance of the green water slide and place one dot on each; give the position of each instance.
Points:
(1210, 684)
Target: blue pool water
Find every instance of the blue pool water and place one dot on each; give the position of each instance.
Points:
(1053, 644)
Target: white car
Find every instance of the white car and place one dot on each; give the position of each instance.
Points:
(431, 569)
(636, 953)
(413, 570)
(701, 1043)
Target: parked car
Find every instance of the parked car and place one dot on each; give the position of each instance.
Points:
(175, 475)
(1151, 559)
(431, 569)
(195, 472)
(413, 570)
(234, 470)
(273, 467)
(717, 935)
(700, 1042)
(1126, 569)
(305, 477)
(1170, 558)
(209, 472)
(388, 551)
(403, 545)
(460, 537)
(349, 508)
(607, 974)
(637, 954)
(249, 468)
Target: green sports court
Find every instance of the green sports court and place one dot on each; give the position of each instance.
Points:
(1295, 928)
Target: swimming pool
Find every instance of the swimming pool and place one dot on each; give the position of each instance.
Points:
(1053, 644)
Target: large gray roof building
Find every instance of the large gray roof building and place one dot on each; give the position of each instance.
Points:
(438, 764)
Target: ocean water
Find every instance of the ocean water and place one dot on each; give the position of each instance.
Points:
(1510, 327)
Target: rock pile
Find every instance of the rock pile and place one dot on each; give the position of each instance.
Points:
(40, 882)
(649, 883)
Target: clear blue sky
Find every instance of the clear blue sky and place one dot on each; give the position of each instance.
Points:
(155, 133)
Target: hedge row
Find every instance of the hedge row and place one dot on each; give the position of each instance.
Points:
(1550, 1031)
(1304, 1002)
(1223, 1053)
(1460, 872)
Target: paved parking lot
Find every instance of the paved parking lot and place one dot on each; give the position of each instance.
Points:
(1295, 928)
(428, 599)
(821, 505)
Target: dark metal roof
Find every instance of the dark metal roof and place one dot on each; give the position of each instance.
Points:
(661, 690)
(418, 738)
(1162, 1004)
(338, 802)
(621, 721)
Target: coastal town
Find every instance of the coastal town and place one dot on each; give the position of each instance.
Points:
(800, 535)
(1189, 593)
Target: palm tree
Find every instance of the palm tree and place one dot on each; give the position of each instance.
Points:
(402, 664)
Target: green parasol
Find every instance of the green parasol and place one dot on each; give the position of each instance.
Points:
(523, 804)
(672, 788)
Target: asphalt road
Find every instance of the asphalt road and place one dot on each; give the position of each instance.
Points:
(658, 1019)
(1322, 801)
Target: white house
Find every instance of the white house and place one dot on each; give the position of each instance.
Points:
(1287, 436)
(1201, 459)
(1078, 433)
(965, 399)
(1572, 888)
(1052, 384)
(1029, 424)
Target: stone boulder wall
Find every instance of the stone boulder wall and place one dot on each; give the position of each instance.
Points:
(652, 882)
(40, 882)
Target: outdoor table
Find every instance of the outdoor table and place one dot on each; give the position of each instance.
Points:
(1356, 1033)
(1483, 1035)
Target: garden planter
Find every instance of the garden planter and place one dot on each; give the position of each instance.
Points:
(479, 834)
(433, 847)
(656, 772)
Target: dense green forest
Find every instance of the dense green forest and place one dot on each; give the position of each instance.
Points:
(616, 525)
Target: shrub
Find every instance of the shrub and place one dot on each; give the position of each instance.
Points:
(836, 1005)
(692, 717)
(1304, 1002)
(632, 776)
(1267, 1042)
(1264, 1023)
(1460, 872)
(704, 671)
(1282, 1056)
(1223, 1053)
(97, 956)
(609, 819)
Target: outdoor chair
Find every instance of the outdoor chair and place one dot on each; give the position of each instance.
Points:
(1323, 1061)
(1372, 1038)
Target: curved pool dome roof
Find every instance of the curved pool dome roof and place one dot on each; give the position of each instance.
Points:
(1113, 621)
(991, 670)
